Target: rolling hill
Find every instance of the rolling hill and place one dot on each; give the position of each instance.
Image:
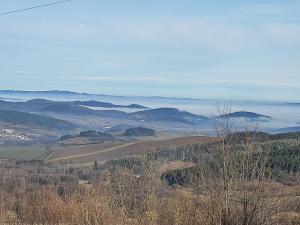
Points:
(67, 108)
(78, 108)
(168, 115)
(29, 119)
(81, 108)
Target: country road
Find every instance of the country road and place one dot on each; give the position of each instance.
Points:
(93, 153)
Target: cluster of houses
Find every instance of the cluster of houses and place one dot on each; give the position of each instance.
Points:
(94, 123)
(12, 135)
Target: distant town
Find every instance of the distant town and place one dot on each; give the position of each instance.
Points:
(10, 136)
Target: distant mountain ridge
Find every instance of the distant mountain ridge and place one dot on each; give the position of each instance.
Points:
(91, 95)
(85, 108)
(69, 93)
(71, 107)
(75, 108)
(63, 92)
(40, 92)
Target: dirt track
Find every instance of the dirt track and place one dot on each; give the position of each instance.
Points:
(93, 153)
(83, 154)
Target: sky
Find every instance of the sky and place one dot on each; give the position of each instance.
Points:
(217, 49)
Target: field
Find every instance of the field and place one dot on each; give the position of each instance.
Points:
(87, 153)
(24, 153)
(156, 187)
(80, 151)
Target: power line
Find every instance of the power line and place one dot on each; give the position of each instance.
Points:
(34, 7)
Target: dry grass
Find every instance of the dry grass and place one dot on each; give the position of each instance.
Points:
(125, 200)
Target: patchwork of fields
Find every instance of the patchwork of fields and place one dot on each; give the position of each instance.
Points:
(83, 153)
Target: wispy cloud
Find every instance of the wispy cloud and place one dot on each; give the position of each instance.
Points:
(127, 79)
(260, 83)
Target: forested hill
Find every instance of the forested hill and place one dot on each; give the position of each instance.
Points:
(168, 115)
(42, 104)
(139, 132)
(29, 119)
(244, 114)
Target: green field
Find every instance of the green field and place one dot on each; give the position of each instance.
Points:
(24, 152)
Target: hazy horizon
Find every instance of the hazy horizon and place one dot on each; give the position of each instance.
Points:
(221, 100)
(209, 50)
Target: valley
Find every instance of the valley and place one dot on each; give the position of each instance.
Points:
(149, 112)
(71, 147)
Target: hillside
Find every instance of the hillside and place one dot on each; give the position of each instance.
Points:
(77, 110)
(69, 107)
(136, 106)
(159, 115)
(29, 119)
(168, 115)
(80, 108)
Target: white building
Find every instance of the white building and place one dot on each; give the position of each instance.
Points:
(8, 131)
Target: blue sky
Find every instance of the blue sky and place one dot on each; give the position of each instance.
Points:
(220, 49)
